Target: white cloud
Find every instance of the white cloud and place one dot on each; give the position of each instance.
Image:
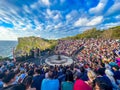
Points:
(7, 34)
(11, 16)
(38, 25)
(95, 21)
(26, 28)
(5, 16)
(14, 18)
(46, 2)
(108, 25)
(34, 5)
(22, 26)
(114, 8)
(58, 25)
(57, 16)
(88, 22)
(81, 22)
(68, 16)
(54, 15)
(72, 15)
(49, 26)
(40, 3)
(39, 28)
(99, 8)
(49, 12)
(25, 7)
(117, 17)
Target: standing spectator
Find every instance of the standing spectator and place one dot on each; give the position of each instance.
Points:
(92, 76)
(116, 74)
(37, 79)
(50, 83)
(100, 84)
(110, 75)
(68, 83)
(80, 84)
(27, 82)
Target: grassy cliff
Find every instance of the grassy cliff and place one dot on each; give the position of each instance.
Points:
(113, 33)
(26, 44)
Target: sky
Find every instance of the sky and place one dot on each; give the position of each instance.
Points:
(54, 19)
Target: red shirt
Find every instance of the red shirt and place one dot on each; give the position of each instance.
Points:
(81, 85)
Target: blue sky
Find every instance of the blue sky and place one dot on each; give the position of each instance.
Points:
(53, 19)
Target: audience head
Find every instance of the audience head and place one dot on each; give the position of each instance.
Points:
(50, 74)
(9, 78)
(91, 75)
(27, 81)
(82, 69)
(101, 71)
(100, 84)
(115, 68)
(37, 71)
(30, 73)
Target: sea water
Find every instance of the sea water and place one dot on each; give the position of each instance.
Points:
(6, 48)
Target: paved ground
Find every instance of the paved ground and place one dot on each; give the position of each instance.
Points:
(54, 60)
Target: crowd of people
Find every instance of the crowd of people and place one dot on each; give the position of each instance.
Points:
(97, 68)
(68, 47)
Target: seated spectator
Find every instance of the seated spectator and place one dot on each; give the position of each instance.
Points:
(61, 77)
(37, 79)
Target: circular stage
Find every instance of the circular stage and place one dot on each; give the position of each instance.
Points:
(58, 60)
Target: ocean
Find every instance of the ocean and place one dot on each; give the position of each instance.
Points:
(6, 48)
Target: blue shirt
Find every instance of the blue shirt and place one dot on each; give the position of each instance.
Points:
(67, 85)
(1, 84)
(50, 84)
(37, 80)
